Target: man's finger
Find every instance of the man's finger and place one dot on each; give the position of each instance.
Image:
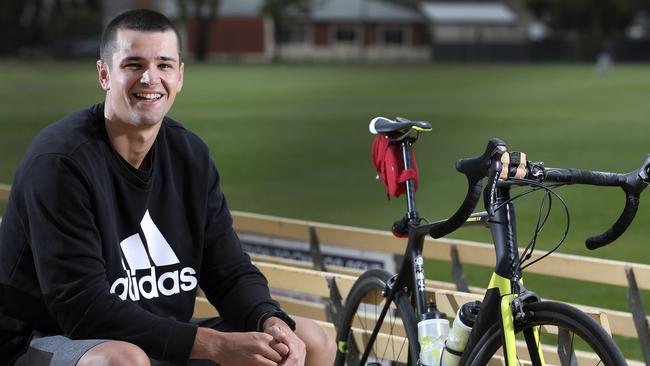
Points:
(268, 351)
(277, 333)
(280, 348)
(273, 354)
(261, 360)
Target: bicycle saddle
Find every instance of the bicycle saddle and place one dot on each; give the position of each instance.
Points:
(385, 125)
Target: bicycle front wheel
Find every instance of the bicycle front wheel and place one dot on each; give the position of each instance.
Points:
(566, 336)
(397, 342)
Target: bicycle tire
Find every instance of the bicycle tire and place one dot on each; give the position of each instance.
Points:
(362, 309)
(553, 316)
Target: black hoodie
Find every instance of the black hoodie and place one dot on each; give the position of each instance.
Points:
(91, 247)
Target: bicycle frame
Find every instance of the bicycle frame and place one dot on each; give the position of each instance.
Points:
(507, 303)
(505, 286)
(505, 293)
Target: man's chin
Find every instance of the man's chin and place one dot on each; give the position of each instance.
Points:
(143, 114)
(148, 120)
(151, 122)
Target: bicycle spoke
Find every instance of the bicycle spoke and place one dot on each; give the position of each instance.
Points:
(391, 322)
(401, 349)
(375, 319)
(392, 319)
(393, 344)
(393, 340)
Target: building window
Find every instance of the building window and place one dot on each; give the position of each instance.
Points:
(345, 34)
(393, 35)
(294, 34)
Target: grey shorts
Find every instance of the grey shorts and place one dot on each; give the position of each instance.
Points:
(59, 350)
(56, 350)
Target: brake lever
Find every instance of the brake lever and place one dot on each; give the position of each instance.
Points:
(644, 173)
(637, 181)
(490, 189)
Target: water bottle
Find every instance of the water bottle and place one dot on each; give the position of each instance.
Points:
(459, 335)
(433, 329)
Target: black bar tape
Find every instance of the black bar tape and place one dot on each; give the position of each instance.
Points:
(578, 176)
(619, 227)
(632, 183)
(475, 169)
(464, 211)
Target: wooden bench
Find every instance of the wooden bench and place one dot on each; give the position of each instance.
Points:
(312, 282)
(559, 265)
(4, 192)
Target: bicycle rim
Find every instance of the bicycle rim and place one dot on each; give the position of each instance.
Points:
(362, 311)
(567, 337)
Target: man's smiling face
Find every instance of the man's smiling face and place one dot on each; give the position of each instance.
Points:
(143, 77)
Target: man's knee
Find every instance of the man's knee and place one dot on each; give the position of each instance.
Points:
(115, 353)
(321, 347)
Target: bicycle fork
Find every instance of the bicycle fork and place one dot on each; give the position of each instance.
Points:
(507, 278)
(511, 307)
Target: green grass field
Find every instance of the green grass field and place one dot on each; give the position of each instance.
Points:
(292, 140)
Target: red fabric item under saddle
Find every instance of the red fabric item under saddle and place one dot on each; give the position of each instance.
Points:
(388, 162)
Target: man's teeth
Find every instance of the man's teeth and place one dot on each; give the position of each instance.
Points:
(150, 96)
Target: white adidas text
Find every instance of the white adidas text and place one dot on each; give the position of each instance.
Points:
(151, 286)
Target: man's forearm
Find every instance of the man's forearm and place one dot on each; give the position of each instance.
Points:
(204, 344)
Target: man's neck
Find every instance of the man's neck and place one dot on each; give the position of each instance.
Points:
(132, 143)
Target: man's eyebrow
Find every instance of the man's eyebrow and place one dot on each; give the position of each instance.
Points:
(140, 58)
(132, 58)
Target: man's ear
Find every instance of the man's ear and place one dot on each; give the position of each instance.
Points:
(104, 75)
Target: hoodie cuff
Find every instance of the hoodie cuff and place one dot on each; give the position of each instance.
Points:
(257, 312)
(180, 343)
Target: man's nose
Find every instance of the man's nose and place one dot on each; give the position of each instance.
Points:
(149, 77)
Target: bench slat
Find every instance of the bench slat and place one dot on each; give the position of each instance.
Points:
(559, 265)
(314, 283)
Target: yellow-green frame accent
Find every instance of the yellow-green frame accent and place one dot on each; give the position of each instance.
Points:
(504, 286)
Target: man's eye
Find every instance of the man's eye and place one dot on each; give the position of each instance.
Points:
(132, 66)
(165, 66)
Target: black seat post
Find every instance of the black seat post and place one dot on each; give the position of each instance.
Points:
(410, 183)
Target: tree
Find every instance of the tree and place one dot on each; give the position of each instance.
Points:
(29, 25)
(19, 28)
(281, 11)
(589, 22)
(204, 13)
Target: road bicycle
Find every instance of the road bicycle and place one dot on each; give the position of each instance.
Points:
(514, 326)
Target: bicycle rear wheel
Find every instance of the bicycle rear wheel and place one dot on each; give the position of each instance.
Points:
(567, 335)
(396, 345)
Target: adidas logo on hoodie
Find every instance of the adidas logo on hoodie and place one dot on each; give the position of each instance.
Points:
(143, 279)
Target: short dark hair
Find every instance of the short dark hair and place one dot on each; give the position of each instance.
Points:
(139, 20)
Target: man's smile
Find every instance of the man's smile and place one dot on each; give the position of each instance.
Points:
(148, 96)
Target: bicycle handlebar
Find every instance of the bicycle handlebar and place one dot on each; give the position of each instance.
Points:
(632, 183)
(490, 165)
(475, 169)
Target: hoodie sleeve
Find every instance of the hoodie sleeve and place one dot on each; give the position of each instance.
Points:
(67, 253)
(230, 281)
